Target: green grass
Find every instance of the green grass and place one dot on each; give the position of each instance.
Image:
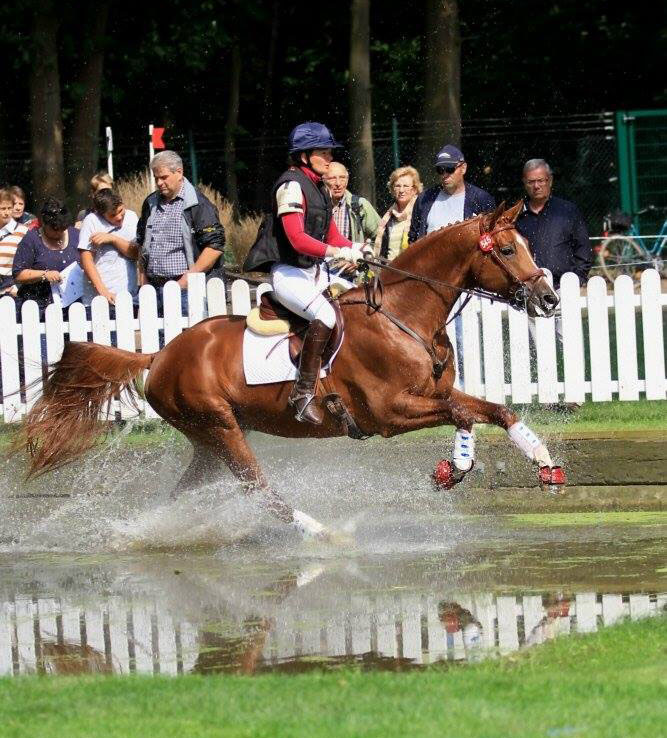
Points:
(611, 684)
(658, 517)
(643, 416)
(648, 416)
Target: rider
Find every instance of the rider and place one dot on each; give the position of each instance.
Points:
(303, 235)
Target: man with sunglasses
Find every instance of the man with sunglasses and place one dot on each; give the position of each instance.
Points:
(450, 201)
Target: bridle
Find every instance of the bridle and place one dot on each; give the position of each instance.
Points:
(518, 295)
(487, 245)
(373, 289)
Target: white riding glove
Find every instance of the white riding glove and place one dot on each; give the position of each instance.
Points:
(351, 253)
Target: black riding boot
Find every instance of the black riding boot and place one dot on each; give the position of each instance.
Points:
(303, 392)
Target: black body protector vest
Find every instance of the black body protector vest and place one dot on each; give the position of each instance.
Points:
(272, 245)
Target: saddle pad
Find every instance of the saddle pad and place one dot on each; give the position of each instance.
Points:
(266, 359)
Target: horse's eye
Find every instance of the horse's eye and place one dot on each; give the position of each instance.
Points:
(507, 250)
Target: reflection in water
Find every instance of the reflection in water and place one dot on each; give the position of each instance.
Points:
(72, 658)
(158, 620)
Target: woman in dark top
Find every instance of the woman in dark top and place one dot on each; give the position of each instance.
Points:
(43, 253)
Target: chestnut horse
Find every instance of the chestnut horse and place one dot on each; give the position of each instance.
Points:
(388, 379)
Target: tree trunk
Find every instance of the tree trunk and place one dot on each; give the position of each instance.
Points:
(442, 82)
(263, 173)
(359, 89)
(232, 123)
(84, 139)
(46, 125)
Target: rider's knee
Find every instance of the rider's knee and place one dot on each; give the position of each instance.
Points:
(326, 314)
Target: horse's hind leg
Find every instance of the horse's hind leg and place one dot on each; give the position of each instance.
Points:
(205, 468)
(226, 443)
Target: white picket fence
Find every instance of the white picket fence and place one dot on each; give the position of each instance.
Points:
(498, 362)
(140, 635)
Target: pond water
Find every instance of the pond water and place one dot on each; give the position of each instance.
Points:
(100, 572)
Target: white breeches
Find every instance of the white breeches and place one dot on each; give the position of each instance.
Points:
(300, 290)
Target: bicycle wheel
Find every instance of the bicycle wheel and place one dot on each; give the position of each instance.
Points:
(660, 259)
(622, 255)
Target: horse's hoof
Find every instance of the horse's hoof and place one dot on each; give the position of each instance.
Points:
(552, 479)
(336, 538)
(445, 476)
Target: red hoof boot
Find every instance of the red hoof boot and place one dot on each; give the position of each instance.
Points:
(552, 479)
(445, 476)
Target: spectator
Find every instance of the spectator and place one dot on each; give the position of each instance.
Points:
(451, 201)
(356, 219)
(108, 248)
(44, 253)
(456, 619)
(11, 234)
(179, 231)
(392, 235)
(99, 181)
(19, 213)
(554, 227)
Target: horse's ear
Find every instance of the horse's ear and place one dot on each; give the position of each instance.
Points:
(492, 218)
(514, 212)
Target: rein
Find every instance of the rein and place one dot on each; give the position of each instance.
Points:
(382, 263)
(373, 291)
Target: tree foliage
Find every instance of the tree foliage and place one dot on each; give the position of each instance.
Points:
(169, 63)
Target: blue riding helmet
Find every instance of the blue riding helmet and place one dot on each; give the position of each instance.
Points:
(307, 136)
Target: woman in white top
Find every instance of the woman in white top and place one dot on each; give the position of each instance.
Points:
(108, 251)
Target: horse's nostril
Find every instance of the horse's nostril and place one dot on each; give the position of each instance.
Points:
(551, 300)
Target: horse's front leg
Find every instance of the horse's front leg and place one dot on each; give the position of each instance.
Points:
(413, 412)
(468, 410)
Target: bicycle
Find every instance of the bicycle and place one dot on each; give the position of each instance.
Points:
(623, 250)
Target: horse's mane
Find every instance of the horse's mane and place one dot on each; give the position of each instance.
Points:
(426, 240)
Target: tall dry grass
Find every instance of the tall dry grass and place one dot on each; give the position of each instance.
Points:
(240, 231)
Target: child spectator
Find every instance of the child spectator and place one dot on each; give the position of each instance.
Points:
(99, 181)
(107, 248)
(11, 234)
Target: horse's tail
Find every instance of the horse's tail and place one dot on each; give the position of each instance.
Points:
(65, 422)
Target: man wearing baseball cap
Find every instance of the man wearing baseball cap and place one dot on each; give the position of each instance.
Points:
(452, 200)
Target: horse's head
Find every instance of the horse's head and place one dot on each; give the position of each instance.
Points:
(505, 265)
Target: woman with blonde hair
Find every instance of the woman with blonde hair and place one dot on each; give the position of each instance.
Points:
(392, 235)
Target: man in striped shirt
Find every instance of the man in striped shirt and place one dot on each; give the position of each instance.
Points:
(11, 234)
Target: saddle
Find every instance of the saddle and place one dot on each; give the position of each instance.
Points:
(273, 319)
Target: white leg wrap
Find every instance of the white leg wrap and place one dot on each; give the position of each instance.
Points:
(308, 527)
(472, 636)
(308, 575)
(464, 450)
(542, 456)
(525, 440)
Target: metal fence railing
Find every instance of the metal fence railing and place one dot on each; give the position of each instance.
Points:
(600, 160)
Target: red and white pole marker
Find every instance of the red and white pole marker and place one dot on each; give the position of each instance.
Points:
(155, 141)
